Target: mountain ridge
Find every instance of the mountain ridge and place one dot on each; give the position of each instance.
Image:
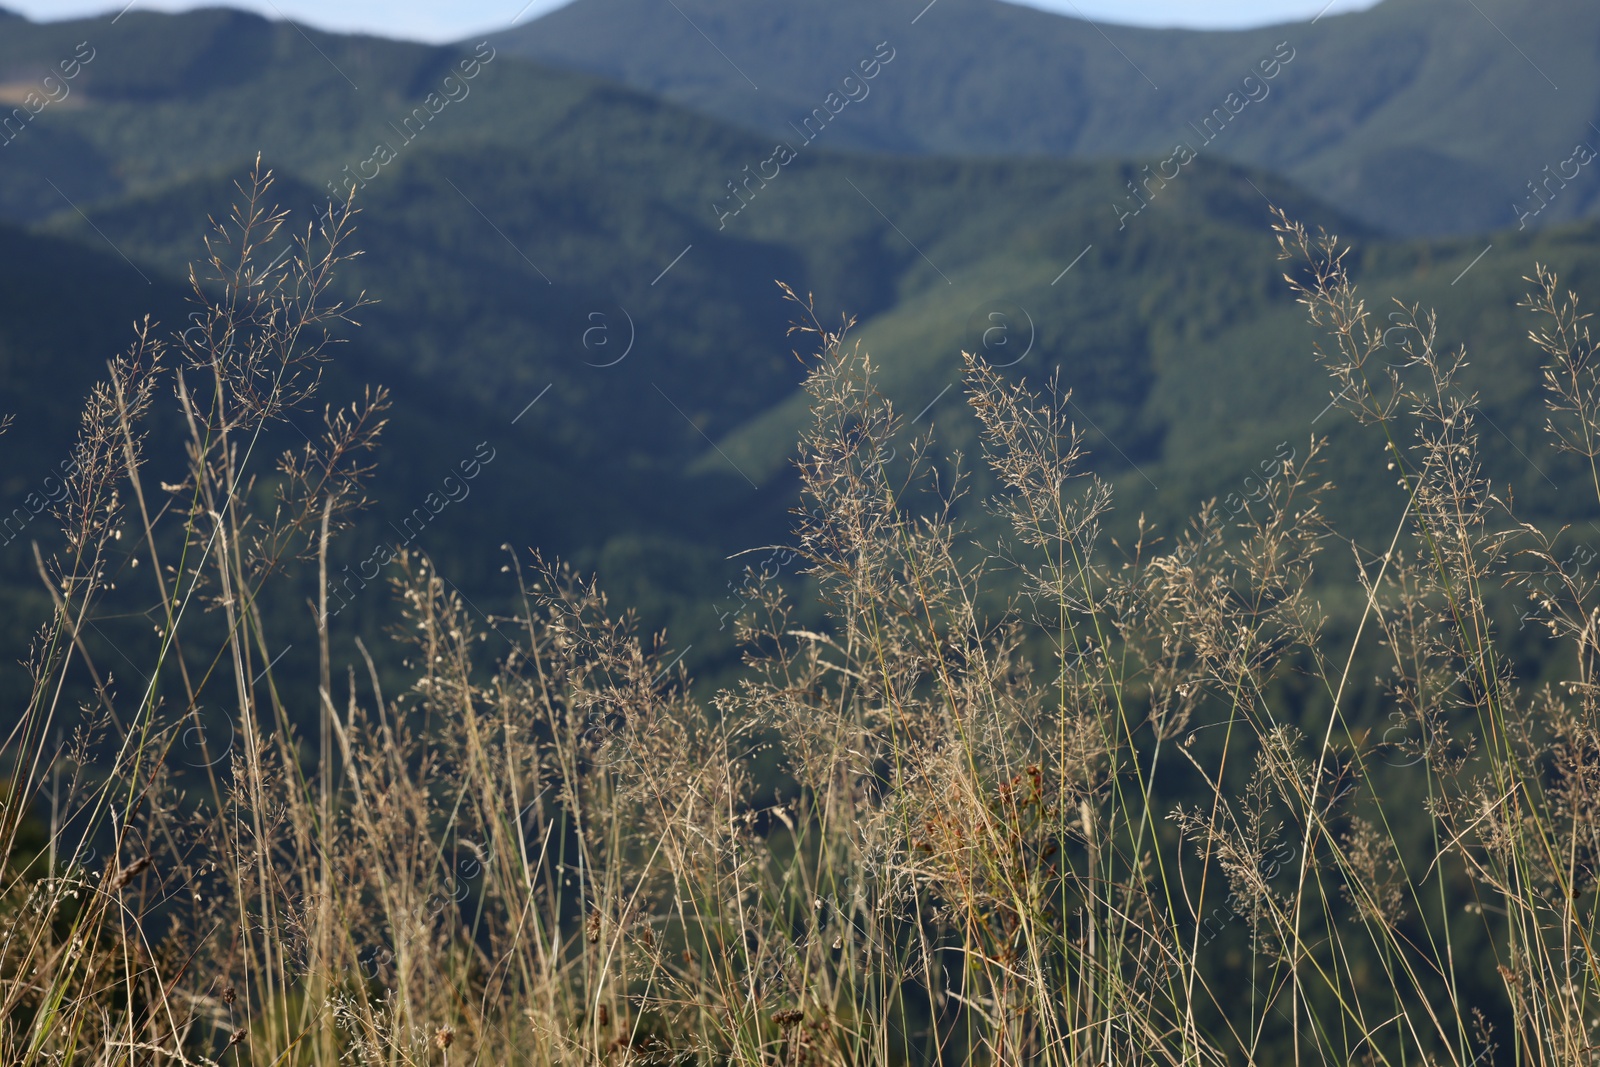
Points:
(1448, 121)
(545, 198)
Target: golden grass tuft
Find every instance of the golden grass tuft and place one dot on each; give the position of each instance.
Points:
(1046, 803)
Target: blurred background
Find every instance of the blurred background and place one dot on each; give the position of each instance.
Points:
(574, 217)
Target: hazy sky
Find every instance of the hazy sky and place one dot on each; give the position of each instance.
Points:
(449, 20)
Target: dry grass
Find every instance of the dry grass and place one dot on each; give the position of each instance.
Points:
(554, 855)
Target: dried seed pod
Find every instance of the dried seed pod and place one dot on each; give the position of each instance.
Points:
(124, 875)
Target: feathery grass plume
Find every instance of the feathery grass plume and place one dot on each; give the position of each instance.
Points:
(1041, 798)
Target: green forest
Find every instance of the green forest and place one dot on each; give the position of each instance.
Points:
(537, 550)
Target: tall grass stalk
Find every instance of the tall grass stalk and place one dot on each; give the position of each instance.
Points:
(1039, 798)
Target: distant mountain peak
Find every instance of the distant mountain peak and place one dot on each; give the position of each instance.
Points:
(1415, 118)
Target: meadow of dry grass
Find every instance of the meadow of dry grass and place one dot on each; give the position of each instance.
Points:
(1042, 801)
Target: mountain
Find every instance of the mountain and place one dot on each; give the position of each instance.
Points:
(1417, 116)
(581, 274)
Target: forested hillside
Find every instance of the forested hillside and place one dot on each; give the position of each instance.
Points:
(1420, 116)
(550, 239)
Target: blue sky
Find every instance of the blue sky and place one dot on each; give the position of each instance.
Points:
(449, 20)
